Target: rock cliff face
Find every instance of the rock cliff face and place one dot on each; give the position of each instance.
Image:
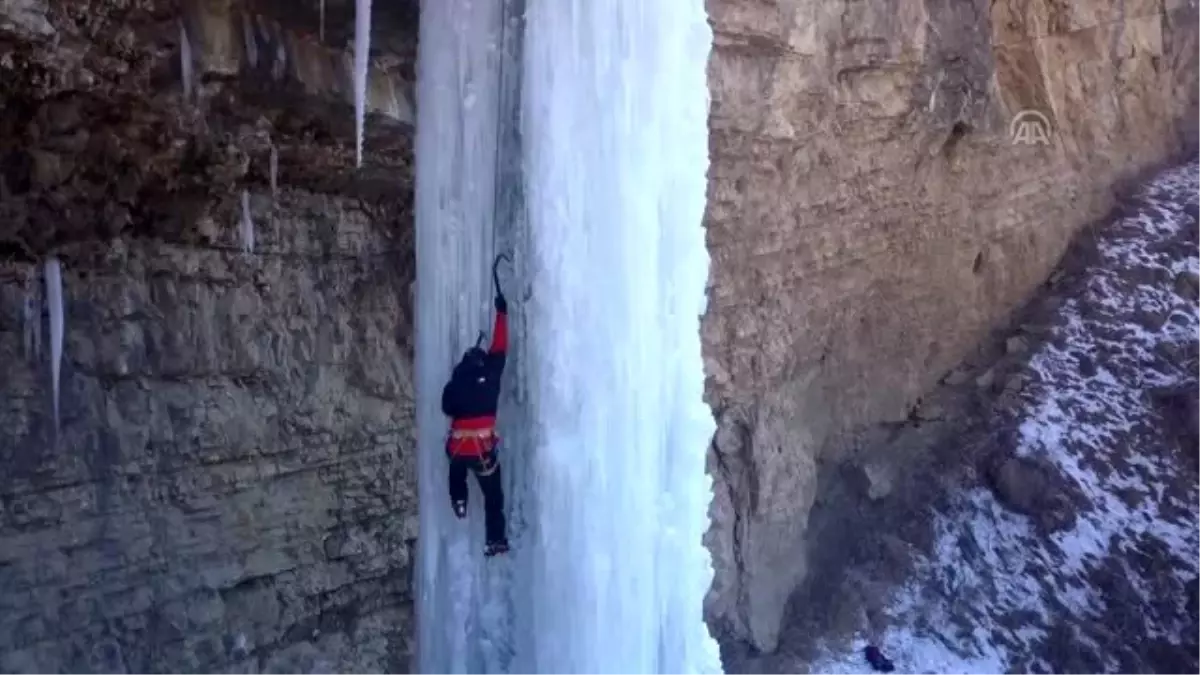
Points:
(233, 482)
(870, 217)
(232, 486)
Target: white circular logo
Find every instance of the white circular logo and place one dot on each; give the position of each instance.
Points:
(1030, 127)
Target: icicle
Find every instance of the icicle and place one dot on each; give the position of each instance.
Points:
(274, 170)
(185, 62)
(32, 317)
(27, 321)
(250, 43)
(247, 225)
(54, 306)
(321, 34)
(362, 52)
(280, 67)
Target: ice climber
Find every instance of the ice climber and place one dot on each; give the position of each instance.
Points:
(470, 400)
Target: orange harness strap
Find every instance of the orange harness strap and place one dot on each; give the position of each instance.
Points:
(471, 442)
(472, 433)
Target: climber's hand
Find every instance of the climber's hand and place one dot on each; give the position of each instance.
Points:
(501, 304)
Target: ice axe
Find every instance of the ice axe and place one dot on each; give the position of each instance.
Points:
(496, 272)
(496, 282)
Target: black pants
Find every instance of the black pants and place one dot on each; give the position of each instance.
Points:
(487, 472)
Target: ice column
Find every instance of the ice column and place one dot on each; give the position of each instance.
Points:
(615, 130)
(606, 462)
(461, 596)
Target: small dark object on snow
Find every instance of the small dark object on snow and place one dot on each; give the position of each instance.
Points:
(877, 660)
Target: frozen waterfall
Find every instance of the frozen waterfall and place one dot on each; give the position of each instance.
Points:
(577, 140)
(465, 609)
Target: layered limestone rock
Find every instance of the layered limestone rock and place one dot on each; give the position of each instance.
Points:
(236, 41)
(873, 211)
(233, 483)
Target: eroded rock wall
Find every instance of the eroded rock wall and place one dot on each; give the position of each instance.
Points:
(870, 217)
(233, 485)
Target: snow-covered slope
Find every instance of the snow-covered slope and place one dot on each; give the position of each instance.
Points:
(1106, 578)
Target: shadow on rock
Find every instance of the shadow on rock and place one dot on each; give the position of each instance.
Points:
(1180, 409)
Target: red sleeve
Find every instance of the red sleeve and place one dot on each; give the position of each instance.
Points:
(500, 334)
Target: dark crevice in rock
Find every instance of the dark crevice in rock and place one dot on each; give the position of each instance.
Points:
(957, 133)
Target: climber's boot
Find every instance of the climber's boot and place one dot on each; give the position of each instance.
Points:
(496, 548)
